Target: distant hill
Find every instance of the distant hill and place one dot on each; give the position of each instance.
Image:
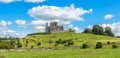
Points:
(49, 40)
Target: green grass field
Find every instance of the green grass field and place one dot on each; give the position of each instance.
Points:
(67, 53)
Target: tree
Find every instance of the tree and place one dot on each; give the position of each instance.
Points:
(108, 31)
(88, 30)
(98, 30)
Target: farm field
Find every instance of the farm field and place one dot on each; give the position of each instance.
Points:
(67, 53)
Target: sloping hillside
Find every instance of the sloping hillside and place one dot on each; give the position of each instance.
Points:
(49, 40)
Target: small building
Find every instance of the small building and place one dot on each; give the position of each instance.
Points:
(53, 27)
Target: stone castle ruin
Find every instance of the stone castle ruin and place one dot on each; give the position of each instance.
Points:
(54, 27)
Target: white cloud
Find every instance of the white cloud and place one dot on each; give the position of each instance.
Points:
(4, 23)
(34, 1)
(38, 23)
(108, 16)
(62, 14)
(20, 22)
(8, 1)
(77, 29)
(6, 32)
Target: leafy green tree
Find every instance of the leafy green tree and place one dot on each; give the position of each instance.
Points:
(98, 30)
(88, 30)
(108, 31)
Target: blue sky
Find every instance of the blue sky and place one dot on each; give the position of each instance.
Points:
(20, 17)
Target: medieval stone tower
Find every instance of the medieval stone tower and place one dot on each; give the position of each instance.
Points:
(53, 27)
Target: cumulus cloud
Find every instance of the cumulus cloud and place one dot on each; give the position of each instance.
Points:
(77, 29)
(34, 1)
(7, 32)
(108, 16)
(58, 13)
(21, 23)
(8, 1)
(37, 26)
(62, 15)
(4, 23)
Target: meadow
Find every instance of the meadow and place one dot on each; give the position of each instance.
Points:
(67, 53)
(47, 48)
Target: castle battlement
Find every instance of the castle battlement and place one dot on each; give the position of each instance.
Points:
(54, 27)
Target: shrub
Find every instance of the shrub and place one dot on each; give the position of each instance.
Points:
(38, 44)
(84, 45)
(59, 41)
(56, 44)
(50, 41)
(19, 45)
(31, 46)
(108, 42)
(99, 45)
(114, 46)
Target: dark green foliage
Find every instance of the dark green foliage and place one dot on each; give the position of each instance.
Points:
(99, 45)
(32, 46)
(19, 44)
(84, 45)
(114, 46)
(59, 41)
(70, 42)
(66, 42)
(27, 41)
(38, 44)
(7, 44)
(50, 41)
(108, 31)
(56, 44)
(98, 30)
(88, 30)
(108, 42)
(12, 44)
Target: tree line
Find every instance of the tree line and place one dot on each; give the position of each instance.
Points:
(99, 30)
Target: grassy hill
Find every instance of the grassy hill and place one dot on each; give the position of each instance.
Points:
(48, 40)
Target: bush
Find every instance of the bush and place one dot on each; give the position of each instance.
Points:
(38, 44)
(99, 45)
(108, 42)
(70, 42)
(58, 41)
(31, 46)
(84, 45)
(114, 46)
(19, 45)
